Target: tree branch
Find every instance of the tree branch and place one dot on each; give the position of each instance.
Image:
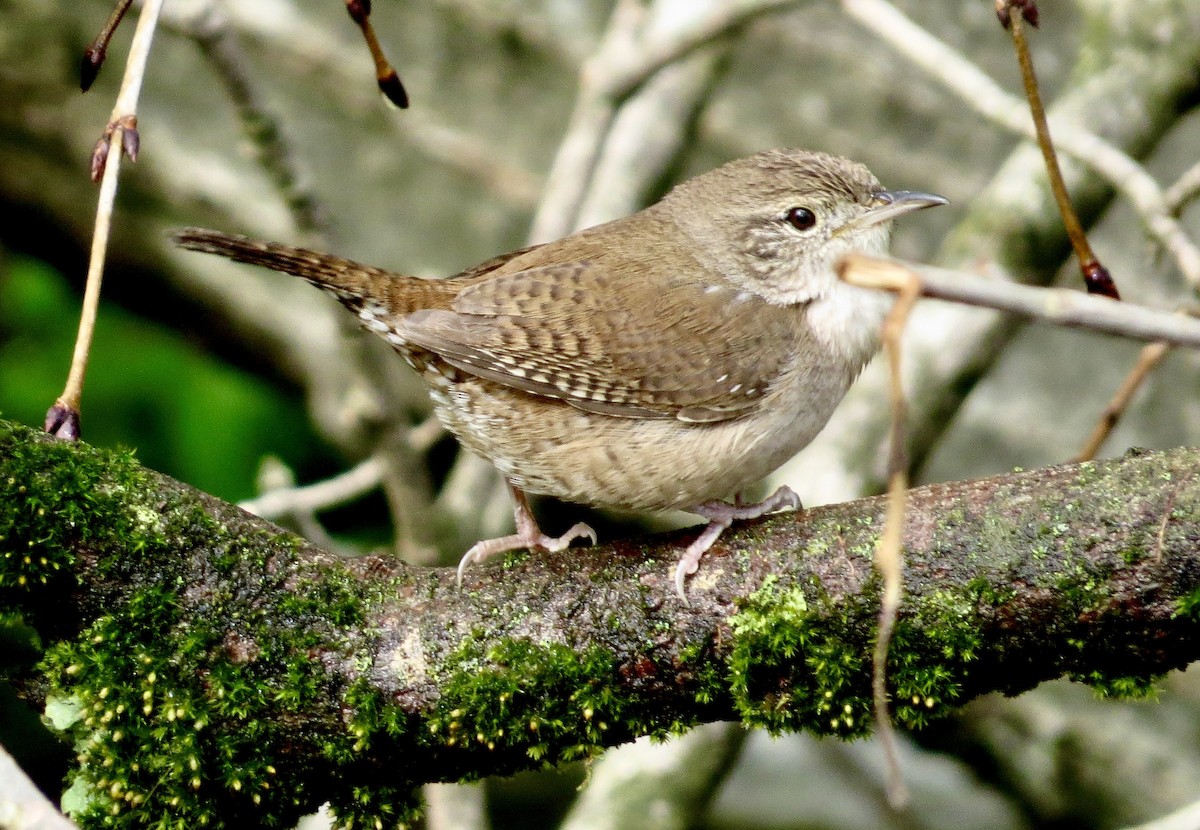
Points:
(210, 665)
(22, 805)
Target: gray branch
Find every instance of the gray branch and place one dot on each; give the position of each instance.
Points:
(265, 667)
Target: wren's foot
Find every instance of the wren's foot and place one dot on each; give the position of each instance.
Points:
(720, 515)
(528, 536)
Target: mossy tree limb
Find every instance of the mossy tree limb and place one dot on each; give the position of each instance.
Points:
(210, 666)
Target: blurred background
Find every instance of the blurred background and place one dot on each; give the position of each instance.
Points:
(263, 118)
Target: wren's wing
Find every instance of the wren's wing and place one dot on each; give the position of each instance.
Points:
(660, 347)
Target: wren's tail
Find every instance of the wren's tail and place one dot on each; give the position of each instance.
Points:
(351, 282)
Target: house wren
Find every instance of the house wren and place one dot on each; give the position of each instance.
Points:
(661, 361)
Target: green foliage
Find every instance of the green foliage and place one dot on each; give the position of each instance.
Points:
(147, 751)
(178, 721)
(932, 648)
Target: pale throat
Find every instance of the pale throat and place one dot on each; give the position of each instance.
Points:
(848, 319)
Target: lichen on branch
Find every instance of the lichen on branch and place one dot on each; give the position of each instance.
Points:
(212, 669)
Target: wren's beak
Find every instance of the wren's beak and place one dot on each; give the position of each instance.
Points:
(888, 204)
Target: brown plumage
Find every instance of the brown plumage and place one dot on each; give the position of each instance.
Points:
(664, 360)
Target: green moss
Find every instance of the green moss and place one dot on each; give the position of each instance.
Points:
(932, 647)
(377, 806)
(488, 697)
(524, 702)
(1080, 589)
(1125, 687)
(60, 500)
(1188, 605)
(792, 668)
(800, 663)
(147, 749)
(709, 678)
(175, 717)
(987, 592)
(178, 718)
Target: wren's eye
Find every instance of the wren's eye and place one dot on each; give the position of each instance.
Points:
(800, 218)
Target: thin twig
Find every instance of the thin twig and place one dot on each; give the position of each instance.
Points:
(424, 435)
(959, 75)
(1186, 188)
(630, 69)
(889, 556)
(1095, 275)
(1167, 512)
(385, 74)
(296, 39)
(1151, 355)
(1060, 306)
(93, 56)
(313, 498)
(120, 136)
(63, 419)
(208, 25)
(627, 57)
(297, 507)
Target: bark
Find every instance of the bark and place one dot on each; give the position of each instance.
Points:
(210, 665)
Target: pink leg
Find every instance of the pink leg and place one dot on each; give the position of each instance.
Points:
(528, 535)
(720, 515)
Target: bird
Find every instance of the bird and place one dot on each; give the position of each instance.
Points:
(661, 361)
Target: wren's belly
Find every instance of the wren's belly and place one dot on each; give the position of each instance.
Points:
(610, 461)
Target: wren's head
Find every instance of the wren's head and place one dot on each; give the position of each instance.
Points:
(777, 222)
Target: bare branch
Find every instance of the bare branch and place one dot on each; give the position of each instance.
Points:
(1095, 276)
(120, 136)
(312, 498)
(1050, 305)
(382, 676)
(1185, 189)
(631, 52)
(208, 25)
(954, 71)
(1151, 355)
(1009, 229)
(623, 70)
(889, 557)
(22, 805)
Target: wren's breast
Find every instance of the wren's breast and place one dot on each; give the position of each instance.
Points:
(549, 447)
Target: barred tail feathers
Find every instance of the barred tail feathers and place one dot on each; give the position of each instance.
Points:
(351, 282)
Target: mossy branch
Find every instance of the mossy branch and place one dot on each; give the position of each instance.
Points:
(211, 666)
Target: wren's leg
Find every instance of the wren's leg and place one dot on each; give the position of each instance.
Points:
(720, 515)
(528, 535)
